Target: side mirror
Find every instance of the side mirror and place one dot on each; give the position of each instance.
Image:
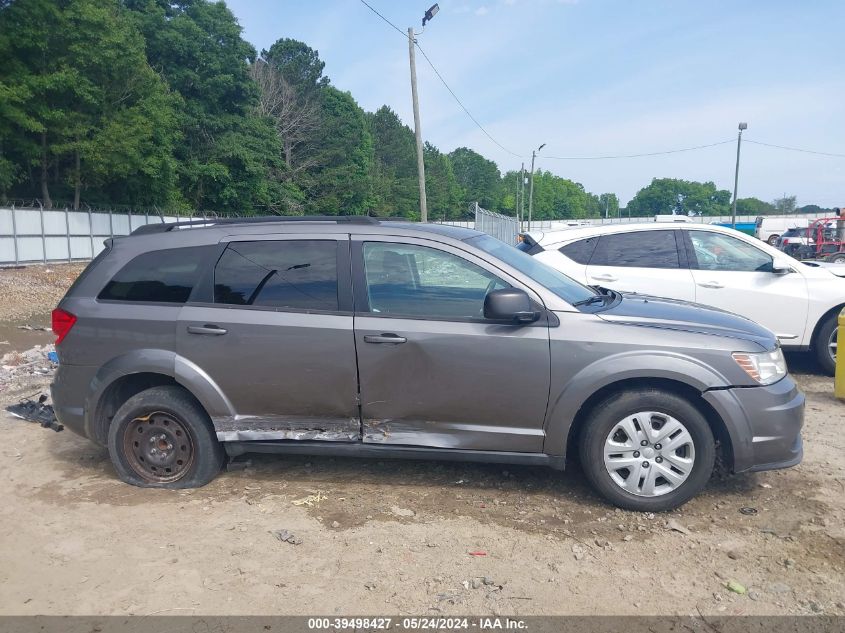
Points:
(510, 305)
(781, 266)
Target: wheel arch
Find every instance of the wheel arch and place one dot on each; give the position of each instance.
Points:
(833, 312)
(124, 376)
(687, 391)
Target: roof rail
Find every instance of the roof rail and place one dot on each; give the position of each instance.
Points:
(169, 226)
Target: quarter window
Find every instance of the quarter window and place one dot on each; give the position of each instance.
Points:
(295, 274)
(418, 281)
(715, 251)
(638, 249)
(165, 276)
(580, 251)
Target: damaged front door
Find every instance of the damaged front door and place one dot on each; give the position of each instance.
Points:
(272, 328)
(433, 371)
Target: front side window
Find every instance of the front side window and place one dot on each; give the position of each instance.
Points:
(165, 276)
(294, 274)
(715, 251)
(638, 249)
(418, 281)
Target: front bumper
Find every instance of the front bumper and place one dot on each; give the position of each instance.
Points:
(764, 424)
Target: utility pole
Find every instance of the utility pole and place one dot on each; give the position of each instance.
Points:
(417, 128)
(742, 126)
(522, 195)
(531, 186)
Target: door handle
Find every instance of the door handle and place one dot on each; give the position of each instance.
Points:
(391, 339)
(603, 277)
(711, 284)
(208, 329)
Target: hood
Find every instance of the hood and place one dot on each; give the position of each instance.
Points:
(683, 316)
(833, 269)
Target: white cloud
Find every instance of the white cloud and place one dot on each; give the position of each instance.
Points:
(482, 11)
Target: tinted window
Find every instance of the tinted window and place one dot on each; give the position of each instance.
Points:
(298, 274)
(714, 251)
(580, 251)
(564, 287)
(166, 276)
(641, 249)
(410, 280)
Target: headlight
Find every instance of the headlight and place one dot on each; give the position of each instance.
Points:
(765, 367)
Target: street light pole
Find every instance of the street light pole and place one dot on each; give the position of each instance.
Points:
(531, 186)
(521, 211)
(742, 126)
(417, 128)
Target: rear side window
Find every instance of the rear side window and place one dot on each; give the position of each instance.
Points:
(166, 276)
(639, 249)
(296, 274)
(580, 251)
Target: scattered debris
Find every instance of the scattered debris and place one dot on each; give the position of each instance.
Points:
(748, 510)
(34, 328)
(36, 411)
(733, 585)
(370, 585)
(477, 553)
(335, 524)
(285, 536)
(310, 500)
(672, 524)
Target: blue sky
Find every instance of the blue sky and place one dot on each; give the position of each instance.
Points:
(599, 77)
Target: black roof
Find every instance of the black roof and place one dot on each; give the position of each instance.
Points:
(441, 229)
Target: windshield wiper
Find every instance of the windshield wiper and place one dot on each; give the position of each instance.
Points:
(591, 300)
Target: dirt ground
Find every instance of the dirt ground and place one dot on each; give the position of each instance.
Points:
(393, 537)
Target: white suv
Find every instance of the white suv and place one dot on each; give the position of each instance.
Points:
(707, 264)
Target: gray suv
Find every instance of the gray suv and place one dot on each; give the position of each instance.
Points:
(186, 343)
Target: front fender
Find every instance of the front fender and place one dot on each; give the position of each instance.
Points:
(574, 391)
(156, 361)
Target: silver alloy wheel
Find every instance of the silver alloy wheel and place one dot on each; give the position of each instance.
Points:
(831, 344)
(649, 454)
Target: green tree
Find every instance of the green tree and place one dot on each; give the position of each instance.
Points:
(785, 205)
(230, 155)
(395, 181)
(478, 177)
(681, 197)
(753, 206)
(609, 205)
(82, 105)
(443, 194)
(344, 158)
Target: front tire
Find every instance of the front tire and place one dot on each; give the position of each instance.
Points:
(162, 438)
(825, 344)
(647, 450)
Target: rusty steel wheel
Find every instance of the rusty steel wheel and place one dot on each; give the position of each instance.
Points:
(158, 447)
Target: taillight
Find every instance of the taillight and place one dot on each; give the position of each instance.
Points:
(62, 323)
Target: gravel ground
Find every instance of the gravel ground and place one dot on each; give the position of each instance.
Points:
(412, 537)
(32, 291)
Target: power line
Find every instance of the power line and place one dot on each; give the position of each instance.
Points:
(796, 149)
(398, 30)
(443, 81)
(460, 103)
(615, 156)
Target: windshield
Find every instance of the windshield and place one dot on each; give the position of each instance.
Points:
(564, 287)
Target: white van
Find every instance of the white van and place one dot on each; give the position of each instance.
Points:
(769, 229)
(673, 218)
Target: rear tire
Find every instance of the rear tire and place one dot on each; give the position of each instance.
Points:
(773, 239)
(602, 434)
(837, 258)
(163, 438)
(825, 336)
